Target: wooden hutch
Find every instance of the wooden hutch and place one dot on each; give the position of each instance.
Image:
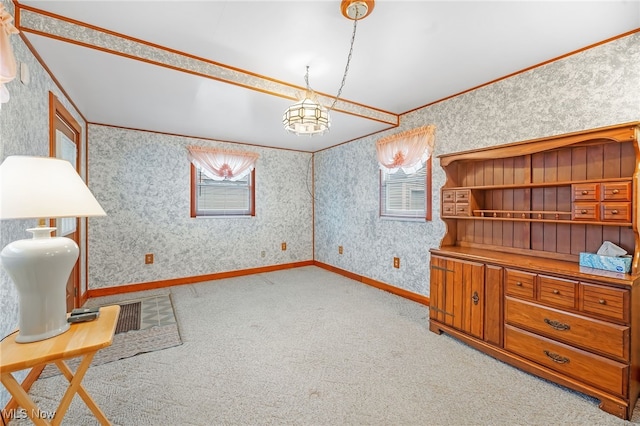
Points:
(506, 278)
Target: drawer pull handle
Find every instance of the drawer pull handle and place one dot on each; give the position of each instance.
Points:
(556, 291)
(556, 358)
(614, 211)
(602, 302)
(583, 211)
(585, 192)
(615, 191)
(475, 298)
(557, 325)
(519, 284)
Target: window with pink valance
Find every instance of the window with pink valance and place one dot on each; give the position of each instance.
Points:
(221, 164)
(407, 150)
(8, 68)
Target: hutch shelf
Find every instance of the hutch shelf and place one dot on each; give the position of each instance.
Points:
(506, 278)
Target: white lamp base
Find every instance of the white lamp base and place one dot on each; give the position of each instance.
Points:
(40, 269)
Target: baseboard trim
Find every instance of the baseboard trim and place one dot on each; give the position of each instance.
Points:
(12, 405)
(424, 300)
(153, 285)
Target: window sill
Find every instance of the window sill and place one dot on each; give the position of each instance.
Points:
(404, 219)
(224, 217)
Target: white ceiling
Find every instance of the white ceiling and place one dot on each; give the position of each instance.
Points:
(407, 54)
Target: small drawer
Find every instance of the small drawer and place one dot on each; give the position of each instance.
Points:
(585, 192)
(616, 212)
(619, 191)
(448, 209)
(448, 196)
(462, 209)
(557, 291)
(585, 211)
(592, 334)
(519, 283)
(606, 301)
(463, 195)
(601, 372)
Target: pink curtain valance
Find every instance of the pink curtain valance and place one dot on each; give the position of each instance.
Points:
(407, 150)
(221, 164)
(8, 66)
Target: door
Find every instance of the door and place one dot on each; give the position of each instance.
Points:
(64, 143)
(457, 294)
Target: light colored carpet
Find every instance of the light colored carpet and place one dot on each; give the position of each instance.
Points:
(308, 347)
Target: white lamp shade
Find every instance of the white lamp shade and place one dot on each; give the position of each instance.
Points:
(43, 187)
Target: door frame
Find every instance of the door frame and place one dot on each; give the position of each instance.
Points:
(61, 119)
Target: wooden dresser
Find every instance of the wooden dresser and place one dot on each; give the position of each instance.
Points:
(506, 278)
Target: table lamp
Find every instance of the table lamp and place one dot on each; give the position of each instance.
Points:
(42, 187)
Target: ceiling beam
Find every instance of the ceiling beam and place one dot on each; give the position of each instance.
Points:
(57, 27)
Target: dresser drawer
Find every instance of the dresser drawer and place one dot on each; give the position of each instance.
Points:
(519, 283)
(600, 372)
(448, 196)
(616, 212)
(603, 337)
(605, 301)
(463, 195)
(585, 192)
(585, 211)
(557, 291)
(448, 209)
(619, 191)
(462, 209)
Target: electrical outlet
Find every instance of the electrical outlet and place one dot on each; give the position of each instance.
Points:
(148, 258)
(396, 262)
(263, 253)
(339, 249)
(284, 246)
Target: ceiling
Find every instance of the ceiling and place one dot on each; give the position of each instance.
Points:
(227, 70)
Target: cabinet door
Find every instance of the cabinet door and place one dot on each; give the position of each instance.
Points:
(457, 294)
(493, 318)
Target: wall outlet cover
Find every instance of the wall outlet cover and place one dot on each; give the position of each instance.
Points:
(24, 73)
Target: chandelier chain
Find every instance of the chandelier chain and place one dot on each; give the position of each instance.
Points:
(346, 68)
(306, 79)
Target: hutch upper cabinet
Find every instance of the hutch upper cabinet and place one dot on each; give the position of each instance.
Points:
(506, 278)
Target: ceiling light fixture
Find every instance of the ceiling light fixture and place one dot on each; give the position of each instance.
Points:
(308, 116)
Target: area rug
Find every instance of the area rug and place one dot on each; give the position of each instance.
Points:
(143, 326)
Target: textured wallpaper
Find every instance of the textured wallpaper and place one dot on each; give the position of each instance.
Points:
(142, 181)
(594, 88)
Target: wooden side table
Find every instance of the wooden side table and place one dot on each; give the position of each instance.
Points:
(81, 340)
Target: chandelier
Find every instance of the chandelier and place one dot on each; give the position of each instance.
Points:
(308, 116)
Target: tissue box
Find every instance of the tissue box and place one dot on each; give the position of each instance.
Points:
(608, 263)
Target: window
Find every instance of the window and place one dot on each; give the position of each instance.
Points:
(405, 195)
(221, 197)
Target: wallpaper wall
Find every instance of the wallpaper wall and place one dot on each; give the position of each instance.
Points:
(142, 181)
(594, 88)
(24, 130)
